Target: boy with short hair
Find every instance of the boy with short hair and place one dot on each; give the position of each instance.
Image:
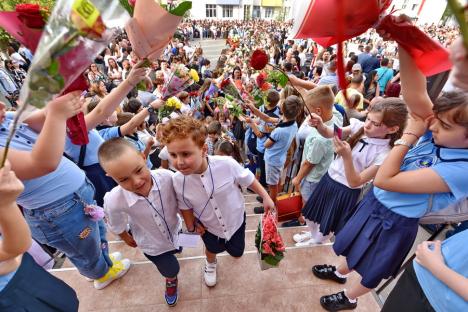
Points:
(147, 202)
(278, 142)
(317, 155)
(209, 192)
(214, 130)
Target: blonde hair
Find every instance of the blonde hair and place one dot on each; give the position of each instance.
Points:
(321, 96)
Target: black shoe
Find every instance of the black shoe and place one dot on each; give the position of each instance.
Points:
(259, 210)
(337, 302)
(327, 272)
(259, 199)
(291, 223)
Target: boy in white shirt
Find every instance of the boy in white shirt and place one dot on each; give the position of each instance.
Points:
(209, 191)
(147, 202)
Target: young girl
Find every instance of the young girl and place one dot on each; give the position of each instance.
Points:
(228, 148)
(358, 160)
(410, 183)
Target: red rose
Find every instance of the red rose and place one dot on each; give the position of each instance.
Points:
(261, 79)
(259, 59)
(224, 83)
(30, 15)
(132, 2)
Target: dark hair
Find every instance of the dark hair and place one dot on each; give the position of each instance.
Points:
(214, 127)
(229, 149)
(384, 61)
(132, 106)
(288, 66)
(394, 113)
(454, 103)
(273, 97)
(358, 79)
(369, 80)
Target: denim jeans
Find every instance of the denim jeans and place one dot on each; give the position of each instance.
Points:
(64, 225)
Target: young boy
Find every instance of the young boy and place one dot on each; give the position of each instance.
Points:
(147, 202)
(214, 129)
(209, 191)
(318, 152)
(278, 142)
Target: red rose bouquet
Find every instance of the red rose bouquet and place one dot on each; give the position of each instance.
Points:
(229, 88)
(269, 243)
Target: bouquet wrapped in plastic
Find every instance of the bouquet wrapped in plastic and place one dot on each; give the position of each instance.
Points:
(330, 22)
(229, 88)
(172, 104)
(269, 243)
(181, 78)
(152, 26)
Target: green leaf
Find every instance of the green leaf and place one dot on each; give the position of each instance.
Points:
(283, 80)
(181, 8)
(53, 68)
(126, 6)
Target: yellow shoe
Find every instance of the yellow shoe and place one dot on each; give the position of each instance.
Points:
(115, 272)
(115, 256)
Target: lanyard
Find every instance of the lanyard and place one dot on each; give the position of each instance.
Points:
(210, 197)
(163, 216)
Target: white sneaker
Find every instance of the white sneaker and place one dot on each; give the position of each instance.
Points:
(119, 269)
(210, 273)
(303, 236)
(308, 242)
(115, 256)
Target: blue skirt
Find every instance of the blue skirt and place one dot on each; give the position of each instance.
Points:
(34, 289)
(375, 241)
(330, 205)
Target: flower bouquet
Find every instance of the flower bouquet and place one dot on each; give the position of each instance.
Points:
(166, 112)
(152, 26)
(229, 88)
(269, 243)
(180, 79)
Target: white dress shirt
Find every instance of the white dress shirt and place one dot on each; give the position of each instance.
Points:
(154, 227)
(215, 195)
(368, 152)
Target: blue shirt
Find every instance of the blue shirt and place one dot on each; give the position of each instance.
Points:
(441, 297)
(108, 132)
(385, 74)
(91, 156)
(450, 164)
(282, 137)
(275, 113)
(39, 192)
(139, 145)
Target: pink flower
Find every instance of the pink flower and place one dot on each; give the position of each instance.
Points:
(132, 2)
(267, 249)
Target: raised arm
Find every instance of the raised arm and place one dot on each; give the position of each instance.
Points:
(108, 105)
(47, 152)
(132, 124)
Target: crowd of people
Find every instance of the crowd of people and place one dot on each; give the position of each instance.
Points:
(366, 168)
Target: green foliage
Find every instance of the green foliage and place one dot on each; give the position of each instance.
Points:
(126, 6)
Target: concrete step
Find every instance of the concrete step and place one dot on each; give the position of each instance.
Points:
(242, 286)
(135, 255)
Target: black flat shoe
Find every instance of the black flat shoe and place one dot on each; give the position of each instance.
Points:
(337, 302)
(327, 272)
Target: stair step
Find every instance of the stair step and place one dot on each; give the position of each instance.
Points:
(242, 286)
(135, 255)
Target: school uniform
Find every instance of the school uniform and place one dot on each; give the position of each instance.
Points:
(275, 156)
(333, 200)
(86, 157)
(216, 199)
(153, 220)
(377, 238)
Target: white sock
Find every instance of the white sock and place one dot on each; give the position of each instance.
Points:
(350, 300)
(340, 275)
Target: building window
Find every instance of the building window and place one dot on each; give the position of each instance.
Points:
(269, 11)
(228, 10)
(211, 10)
(256, 11)
(247, 12)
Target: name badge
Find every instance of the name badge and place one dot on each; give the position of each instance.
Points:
(188, 240)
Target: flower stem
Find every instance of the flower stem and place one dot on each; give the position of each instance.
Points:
(292, 85)
(13, 128)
